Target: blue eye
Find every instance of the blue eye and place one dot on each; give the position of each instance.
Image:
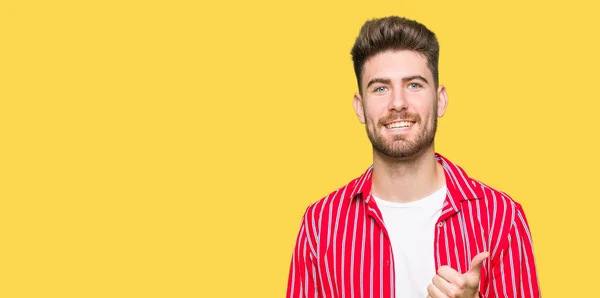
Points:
(414, 86)
(380, 89)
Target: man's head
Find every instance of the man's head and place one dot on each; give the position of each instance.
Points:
(394, 33)
(399, 99)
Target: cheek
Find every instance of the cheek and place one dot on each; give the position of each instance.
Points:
(425, 107)
(372, 119)
(373, 113)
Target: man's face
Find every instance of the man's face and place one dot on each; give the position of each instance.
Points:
(399, 103)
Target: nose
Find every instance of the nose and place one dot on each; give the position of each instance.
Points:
(398, 101)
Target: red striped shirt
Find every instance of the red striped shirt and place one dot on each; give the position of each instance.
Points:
(343, 249)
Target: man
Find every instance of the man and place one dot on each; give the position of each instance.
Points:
(414, 224)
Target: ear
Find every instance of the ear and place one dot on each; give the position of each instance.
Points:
(358, 107)
(442, 101)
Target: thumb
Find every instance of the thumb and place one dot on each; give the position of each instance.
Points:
(476, 263)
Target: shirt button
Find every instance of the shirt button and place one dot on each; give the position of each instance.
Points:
(440, 224)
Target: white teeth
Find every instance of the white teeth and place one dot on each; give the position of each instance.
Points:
(400, 124)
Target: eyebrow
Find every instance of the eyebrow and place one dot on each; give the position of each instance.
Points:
(378, 80)
(417, 77)
(388, 81)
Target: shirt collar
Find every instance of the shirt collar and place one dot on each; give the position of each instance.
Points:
(460, 186)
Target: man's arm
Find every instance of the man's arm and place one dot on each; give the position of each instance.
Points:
(302, 282)
(514, 273)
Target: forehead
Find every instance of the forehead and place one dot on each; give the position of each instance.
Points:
(395, 65)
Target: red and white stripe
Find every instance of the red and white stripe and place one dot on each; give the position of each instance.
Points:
(343, 249)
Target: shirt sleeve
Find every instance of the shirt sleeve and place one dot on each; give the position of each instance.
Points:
(514, 274)
(302, 282)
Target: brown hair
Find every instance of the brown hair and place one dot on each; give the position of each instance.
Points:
(394, 33)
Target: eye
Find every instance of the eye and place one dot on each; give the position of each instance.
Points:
(380, 89)
(414, 86)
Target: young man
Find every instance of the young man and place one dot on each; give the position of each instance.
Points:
(414, 224)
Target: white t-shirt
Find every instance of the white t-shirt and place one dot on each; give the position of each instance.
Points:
(411, 228)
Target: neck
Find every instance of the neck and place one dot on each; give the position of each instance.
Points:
(408, 179)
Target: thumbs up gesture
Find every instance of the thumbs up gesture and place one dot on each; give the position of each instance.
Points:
(449, 283)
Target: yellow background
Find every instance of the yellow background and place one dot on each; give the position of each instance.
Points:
(170, 148)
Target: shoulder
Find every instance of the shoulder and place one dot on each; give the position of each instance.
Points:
(336, 203)
(335, 200)
(502, 219)
(499, 212)
(326, 210)
(496, 199)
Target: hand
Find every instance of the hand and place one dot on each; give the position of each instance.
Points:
(449, 283)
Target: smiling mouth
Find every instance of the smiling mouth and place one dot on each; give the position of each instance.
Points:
(399, 124)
